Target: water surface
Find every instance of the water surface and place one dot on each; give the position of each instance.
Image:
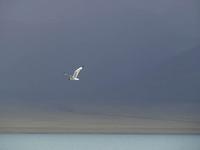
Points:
(98, 142)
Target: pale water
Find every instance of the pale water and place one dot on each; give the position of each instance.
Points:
(98, 142)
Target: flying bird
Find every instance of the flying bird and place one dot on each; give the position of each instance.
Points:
(75, 75)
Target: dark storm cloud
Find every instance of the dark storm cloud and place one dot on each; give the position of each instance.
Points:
(117, 41)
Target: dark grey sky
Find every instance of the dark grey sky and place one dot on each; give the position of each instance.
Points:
(119, 42)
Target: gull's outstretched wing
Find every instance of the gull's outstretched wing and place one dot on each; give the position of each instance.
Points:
(76, 72)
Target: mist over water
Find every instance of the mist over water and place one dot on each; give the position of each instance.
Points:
(98, 142)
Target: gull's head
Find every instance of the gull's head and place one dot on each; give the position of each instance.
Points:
(70, 77)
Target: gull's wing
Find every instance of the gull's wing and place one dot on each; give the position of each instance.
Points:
(77, 71)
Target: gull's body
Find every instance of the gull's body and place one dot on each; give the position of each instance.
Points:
(75, 75)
